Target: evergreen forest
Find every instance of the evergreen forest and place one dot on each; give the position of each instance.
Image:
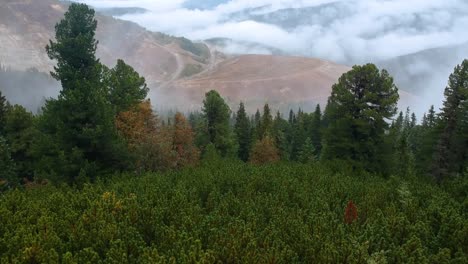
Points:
(97, 176)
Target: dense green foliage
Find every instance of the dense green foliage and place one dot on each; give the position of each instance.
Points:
(243, 133)
(216, 113)
(230, 212)
(452, 148)
(358, 109)
(98, 177)
(126, 87)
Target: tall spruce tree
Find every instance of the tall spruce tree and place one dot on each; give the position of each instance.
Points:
(280, 130)
(316, 130)
(74, 48)
(451, 155)
(358, 109)
(217, 113)
(266, 123)
(243, 133)
(3, 111)
(80, 123)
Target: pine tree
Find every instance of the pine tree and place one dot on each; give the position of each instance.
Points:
(414, 120)
(243, 133)
(126, 87)
(425, 138)
(74, 47)
(292, 117)
(431, 117)
(3, 111)
(360, 103)
(256, 126)
(217, 113)
(279, 134)
(21, 135)
(307, 153)
(451, 152)
(266, 122)
(80, 123)
(316, 130)
(298, 135)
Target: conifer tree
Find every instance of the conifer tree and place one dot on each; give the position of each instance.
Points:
(80, 123)
(431, 117)
(21, 135)
(414, 120)
(451, 152)
(266, 122)
(256, 126)
(75, 47)
(315, 131)
(360, 103)
(243, 133)
(217, 113)
(126, 87)
(307, 153)
(3, 110)
(280, 130)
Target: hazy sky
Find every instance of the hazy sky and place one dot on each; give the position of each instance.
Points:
(353, 31)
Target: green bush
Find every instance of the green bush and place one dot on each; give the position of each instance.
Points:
(236, 213)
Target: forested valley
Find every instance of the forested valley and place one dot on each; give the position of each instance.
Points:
(97, 176)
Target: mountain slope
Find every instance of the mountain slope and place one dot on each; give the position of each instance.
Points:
(26, 27)
(255, 79)
(178, 71)
(427, 70)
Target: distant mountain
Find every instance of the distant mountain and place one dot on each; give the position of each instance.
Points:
(236, 47)
(120, 11)
(205, 4)
(427, 71)
(26, 27)
(282, 81)
(291, 18)
(178, 71)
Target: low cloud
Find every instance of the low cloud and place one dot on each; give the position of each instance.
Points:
(344, 31)
(347, 31)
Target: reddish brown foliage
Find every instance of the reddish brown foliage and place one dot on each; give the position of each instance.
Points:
(137, 124)
(351, 213)
(264, 151)
(187, 153)
(155, 146)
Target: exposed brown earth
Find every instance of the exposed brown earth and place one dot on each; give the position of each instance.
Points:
(256, 79)
(27, 25)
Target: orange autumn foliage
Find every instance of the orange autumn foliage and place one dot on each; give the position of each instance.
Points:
(137, 124)
(264, 151)
(183, 138)
(157, 147)
(351, 213)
